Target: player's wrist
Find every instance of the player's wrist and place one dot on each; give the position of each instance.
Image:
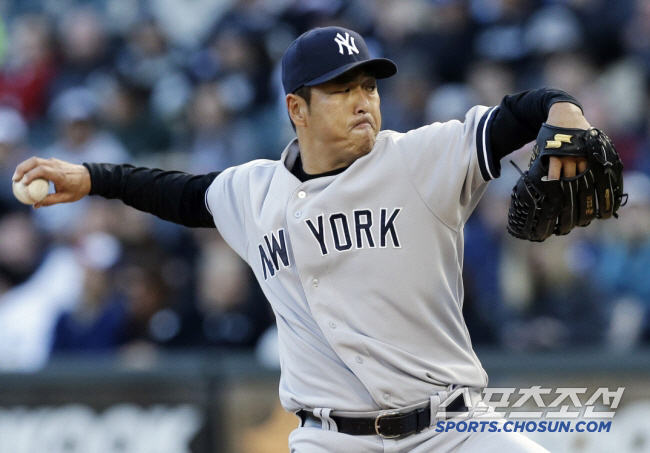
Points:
(566, 114)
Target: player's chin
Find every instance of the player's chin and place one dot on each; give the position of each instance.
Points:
(365, 141)
(363, 147)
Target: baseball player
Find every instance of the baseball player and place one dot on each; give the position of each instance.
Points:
(356, 237)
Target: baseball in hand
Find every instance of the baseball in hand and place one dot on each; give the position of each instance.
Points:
(33, 192)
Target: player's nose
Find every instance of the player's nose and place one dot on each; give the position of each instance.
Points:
(361, 101)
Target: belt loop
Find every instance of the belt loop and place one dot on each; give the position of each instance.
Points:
(324, 415)
(474, 397)
(435, 401)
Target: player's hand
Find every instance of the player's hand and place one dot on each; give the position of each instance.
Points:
(565, 114)
(71, 181)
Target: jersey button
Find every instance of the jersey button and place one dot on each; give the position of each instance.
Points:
(387, 397)
(359, 359)
(332, 325)
(315, 282)
(302, 194)
(297, 214)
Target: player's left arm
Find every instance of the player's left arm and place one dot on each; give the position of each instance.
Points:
(520, 116)
(564, 114)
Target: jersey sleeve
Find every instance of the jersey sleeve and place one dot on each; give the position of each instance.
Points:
(225, 201)
(450, 163)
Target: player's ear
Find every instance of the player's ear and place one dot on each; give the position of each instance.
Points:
(298, 109)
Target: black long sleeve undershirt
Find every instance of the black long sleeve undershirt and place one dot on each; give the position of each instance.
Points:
(519, 118)
(180, 197)
(171, 195)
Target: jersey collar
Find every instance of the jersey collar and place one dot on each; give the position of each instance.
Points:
(290, 154)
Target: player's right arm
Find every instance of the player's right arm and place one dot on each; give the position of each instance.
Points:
(171, 195)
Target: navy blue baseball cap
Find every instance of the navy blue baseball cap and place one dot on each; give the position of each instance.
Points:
(321, 54)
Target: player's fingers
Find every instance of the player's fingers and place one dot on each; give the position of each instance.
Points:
(46, 172)
(582, 165)
(569, 167)
(53, 198)
(26, 166)
(554, 168)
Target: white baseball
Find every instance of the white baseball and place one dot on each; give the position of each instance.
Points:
(33, 192)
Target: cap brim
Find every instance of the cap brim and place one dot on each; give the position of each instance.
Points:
(381, 68)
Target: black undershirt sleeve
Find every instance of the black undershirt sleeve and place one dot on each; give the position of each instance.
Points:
(171, 195)
(519, 118)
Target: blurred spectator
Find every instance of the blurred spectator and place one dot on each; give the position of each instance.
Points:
(490, 82)
(21, 249)
(13, 150)
(405, 101)
(556, 314)
(212, 127)
(97, 322)
(641, 155)
(448, 102)
(501, 38)
(20, 245)
(233, 308)
(80, 140)
(553, 29)
(146, 57)
(571, 71)
(147, 297)
(241, 64)
(398, 20)
(29, 68)
(126, 113)
(448, 39)
(169, 98)
(29, 311)
(637, 35)
(604, 23)
(619, 260)
(185, 26)
(84, 48)
(253, 16)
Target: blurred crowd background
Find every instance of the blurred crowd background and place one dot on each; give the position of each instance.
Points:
(195, 86)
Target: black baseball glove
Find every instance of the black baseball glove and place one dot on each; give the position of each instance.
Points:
(540, 207)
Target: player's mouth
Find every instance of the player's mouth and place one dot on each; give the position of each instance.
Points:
(363, 123)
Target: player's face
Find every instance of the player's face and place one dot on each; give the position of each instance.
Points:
(344, 114)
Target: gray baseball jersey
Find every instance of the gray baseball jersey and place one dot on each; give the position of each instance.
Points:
(363, 269)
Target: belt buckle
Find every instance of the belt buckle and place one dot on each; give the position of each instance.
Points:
(379, 417)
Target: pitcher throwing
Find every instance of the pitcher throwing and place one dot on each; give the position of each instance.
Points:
(356, 237)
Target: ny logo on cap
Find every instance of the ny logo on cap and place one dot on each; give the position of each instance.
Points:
(348, 42)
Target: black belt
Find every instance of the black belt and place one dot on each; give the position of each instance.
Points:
(388, 424)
